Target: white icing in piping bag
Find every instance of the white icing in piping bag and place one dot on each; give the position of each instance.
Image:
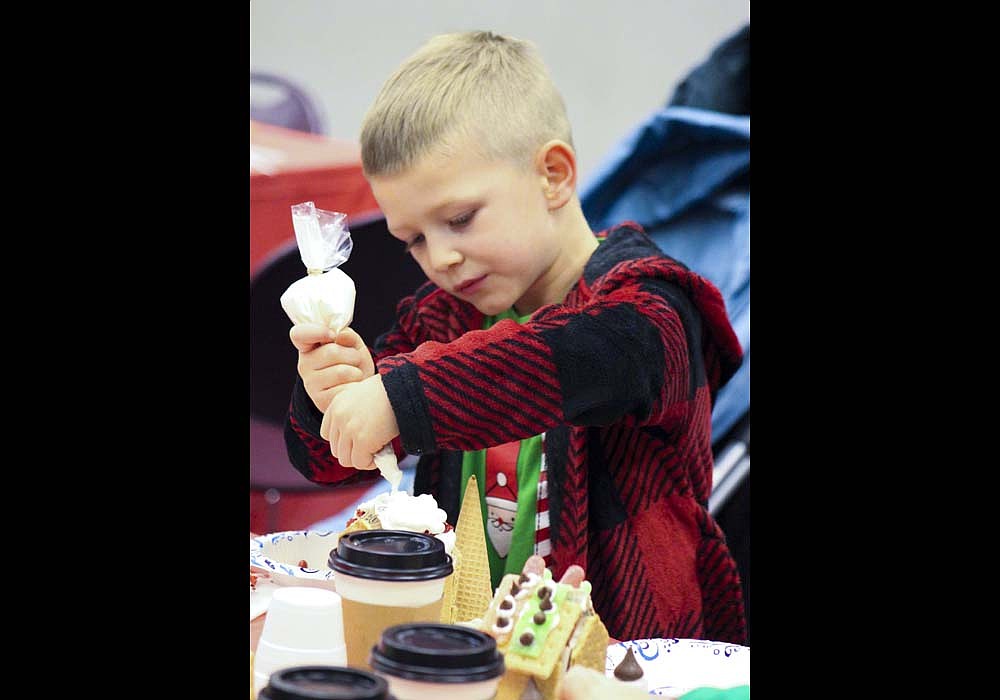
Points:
(385, 460)
(326, 294)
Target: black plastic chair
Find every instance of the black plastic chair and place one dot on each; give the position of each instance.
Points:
(279, 101)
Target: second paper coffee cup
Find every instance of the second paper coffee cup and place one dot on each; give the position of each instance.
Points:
(431, 661)
(386, 578)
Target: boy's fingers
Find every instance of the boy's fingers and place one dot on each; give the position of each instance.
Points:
(334, 390)
(577, 685)
(363, 458)
(581, 683)
(337, 375)
(307, 336)
(324, 428)
(348, 338)
(534, 565)
(573, 576)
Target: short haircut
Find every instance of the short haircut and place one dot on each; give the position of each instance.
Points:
(492, 88)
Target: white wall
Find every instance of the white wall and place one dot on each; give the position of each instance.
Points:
(614, 62)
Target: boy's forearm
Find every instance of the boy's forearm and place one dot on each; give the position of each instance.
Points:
(303, 410)
(484, 388)
(514, 381)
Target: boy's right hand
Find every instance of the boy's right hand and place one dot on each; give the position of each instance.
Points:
(327, 360)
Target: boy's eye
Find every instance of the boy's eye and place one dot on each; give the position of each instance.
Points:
(416, 240)
(463, 220)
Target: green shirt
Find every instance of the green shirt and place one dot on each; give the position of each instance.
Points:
(496, 491)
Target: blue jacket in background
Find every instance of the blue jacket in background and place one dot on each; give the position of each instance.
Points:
(684, 175)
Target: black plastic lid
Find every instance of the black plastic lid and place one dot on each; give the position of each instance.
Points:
(437, 653)
(391, 555)
(325, 683)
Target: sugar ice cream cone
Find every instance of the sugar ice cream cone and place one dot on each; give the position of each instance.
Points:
(450, 587)
(473, 590)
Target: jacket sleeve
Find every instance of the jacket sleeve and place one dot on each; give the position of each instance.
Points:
(621, 355)
(308, 452)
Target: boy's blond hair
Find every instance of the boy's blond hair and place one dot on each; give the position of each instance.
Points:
(494, 89)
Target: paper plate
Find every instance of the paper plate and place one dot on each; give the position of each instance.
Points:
(673, 667)
(279, 554)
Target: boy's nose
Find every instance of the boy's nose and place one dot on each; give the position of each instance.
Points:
(443, 256)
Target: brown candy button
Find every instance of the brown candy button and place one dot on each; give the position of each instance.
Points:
(539, 618)
(546, 604)
(527, 638)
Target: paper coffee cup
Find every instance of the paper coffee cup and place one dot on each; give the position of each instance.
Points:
(325, 683)
(386, 578)
(430, 661)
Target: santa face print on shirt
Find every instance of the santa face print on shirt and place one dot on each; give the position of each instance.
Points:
(501, 495)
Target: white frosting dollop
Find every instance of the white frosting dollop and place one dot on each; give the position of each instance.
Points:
(398, 510)
(449, 540)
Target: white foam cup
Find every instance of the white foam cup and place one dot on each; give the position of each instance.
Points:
(304, 626)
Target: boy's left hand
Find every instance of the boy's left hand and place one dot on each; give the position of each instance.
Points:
(359, 422)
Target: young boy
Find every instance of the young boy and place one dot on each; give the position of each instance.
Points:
(572, 372)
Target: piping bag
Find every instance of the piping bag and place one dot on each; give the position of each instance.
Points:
(326, 294)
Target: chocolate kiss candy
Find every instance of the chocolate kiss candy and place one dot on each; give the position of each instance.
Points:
(629, 669)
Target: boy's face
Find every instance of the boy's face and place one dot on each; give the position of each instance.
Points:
(480, 229)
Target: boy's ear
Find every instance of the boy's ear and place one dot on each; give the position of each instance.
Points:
(556, 163)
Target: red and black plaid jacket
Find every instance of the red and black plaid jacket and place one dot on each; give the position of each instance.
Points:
(620, 377)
